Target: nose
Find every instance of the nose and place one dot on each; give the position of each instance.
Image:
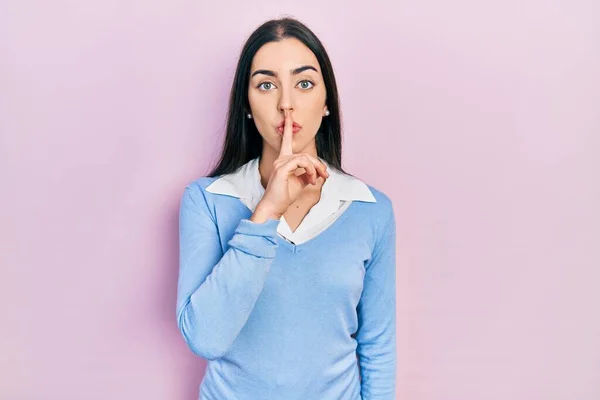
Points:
(286, 101)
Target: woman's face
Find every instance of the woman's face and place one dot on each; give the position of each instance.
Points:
(286, 75)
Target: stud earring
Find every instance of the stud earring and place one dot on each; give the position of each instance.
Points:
(327, 113)
(249, 116)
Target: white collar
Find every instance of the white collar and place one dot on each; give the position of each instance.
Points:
(245, 184)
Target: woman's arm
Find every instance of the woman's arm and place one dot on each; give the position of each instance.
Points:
(216, 292)
(376, 335)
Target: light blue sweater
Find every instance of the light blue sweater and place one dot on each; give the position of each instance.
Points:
(282, 321)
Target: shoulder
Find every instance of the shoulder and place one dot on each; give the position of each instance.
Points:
(373, 210)
(382, 216)
(382, 209)
(382, 220)
(195, 193)
(200, 184)
(384, 202)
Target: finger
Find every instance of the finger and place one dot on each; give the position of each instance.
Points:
(279, 162)
(288, 136)
(319, 166)
(299, 171)
(295, 163)
(306, 180)
(306, 165)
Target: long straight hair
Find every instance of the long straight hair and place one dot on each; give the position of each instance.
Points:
(242, 141)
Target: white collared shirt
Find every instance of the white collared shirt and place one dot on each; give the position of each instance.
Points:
(337, 193)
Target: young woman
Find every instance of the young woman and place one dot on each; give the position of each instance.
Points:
(287, 263)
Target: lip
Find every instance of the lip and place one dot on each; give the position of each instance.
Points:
(295, 127)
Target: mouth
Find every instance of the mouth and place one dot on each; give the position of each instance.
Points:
(295, 127)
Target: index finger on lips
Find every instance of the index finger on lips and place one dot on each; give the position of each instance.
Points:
(288, 136)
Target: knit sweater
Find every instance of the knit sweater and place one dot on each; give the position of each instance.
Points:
(284, 321)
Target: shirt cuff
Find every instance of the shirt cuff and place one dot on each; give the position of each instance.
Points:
(256, 239)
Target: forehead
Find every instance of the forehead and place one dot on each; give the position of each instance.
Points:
(284, 55)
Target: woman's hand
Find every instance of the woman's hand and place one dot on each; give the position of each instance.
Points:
(290, 175)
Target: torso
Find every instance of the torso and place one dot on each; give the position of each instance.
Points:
(300, 208)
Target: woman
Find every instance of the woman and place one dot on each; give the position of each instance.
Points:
(287, 263)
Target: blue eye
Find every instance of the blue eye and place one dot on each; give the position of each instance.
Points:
(268, 86)
(304, 86)
(263, 84)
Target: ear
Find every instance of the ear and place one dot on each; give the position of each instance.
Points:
(325, 109)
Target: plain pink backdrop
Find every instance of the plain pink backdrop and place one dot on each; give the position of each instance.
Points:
(481, 120)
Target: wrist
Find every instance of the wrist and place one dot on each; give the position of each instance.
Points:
(262, 213)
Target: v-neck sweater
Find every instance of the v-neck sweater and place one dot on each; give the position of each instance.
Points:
(275, 320)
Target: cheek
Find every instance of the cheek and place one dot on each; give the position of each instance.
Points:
(314, 99)
(263, 106)
(253, 100)
(313, 109)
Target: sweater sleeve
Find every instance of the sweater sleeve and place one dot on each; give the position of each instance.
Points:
(216, 292)
(376, 335)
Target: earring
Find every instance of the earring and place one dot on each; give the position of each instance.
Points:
(249, 116)
(326, 113)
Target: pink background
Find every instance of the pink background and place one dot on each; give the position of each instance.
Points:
(480, 121)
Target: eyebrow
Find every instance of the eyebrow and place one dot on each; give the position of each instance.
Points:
(274, 74)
